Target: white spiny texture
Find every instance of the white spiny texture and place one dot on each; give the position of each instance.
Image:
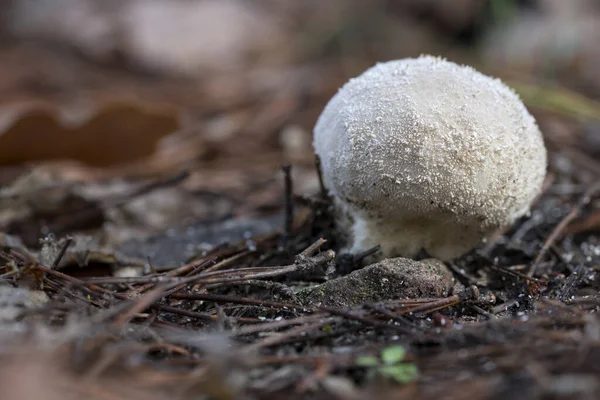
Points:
(427, 154)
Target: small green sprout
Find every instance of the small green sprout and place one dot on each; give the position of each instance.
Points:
(390, 365)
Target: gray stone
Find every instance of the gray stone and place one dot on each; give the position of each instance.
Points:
(391, 278)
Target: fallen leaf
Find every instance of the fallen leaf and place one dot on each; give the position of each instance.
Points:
(114, 134)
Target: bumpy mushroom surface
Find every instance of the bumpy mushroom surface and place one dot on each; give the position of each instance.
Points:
(427, 154)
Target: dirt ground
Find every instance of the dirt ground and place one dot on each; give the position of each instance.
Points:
(164, 233)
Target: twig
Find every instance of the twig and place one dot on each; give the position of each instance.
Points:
(228, 261)
(87, 287)
(364, 320)
(361, 256)
(276, 339)
(504, 306)
(570, 282)
(204, 316)
(61, 253)
(289, 205)
(322, 189)
(240, 274)
(140, 305)
(555, 234)
(252, 329)
(463, 277)
(239, 300)
(313, 247)
(275, 287)
(469, 294)
(384, 311)
(481, 311)
(518, 274)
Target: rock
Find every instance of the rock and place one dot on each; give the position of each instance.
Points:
(177, 245)
(389, 279)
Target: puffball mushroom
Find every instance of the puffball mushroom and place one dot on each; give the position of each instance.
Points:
(422, 153)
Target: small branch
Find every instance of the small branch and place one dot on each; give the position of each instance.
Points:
(313, 247)
(364, 320)
(61, 253)
(238, 300)
(276, 339)
(361, 256)
(289, 205)
(469, 294)
(140, 305)
(323, 190)
(557, 232)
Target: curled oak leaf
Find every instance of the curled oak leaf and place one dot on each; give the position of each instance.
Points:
(113, 134)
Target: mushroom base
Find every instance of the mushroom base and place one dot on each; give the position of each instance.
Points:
(406, 238)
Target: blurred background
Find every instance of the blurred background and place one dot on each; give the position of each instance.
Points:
(104, 103)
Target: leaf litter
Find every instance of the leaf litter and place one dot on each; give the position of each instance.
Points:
(193, 267)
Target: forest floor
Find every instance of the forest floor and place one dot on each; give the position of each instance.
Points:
(170, 238)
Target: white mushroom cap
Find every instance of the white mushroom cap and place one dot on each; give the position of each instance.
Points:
(427, 154)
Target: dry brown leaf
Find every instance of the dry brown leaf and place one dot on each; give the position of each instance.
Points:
(114, 134)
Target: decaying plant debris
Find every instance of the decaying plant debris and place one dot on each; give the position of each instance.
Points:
(197, 268)
(234, 320)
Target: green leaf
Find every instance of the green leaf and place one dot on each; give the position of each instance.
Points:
(401, 373)
(393, 355)
(367, 361)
